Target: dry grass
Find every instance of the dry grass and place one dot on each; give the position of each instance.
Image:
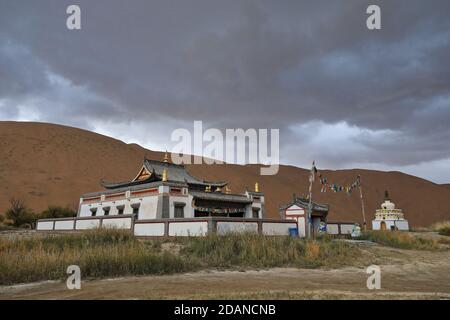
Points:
(112, 253)
(401, 240)
(100, 253)
(251, 250)
(442, 227)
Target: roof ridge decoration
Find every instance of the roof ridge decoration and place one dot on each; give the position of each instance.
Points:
(166, 157)
(162, 163)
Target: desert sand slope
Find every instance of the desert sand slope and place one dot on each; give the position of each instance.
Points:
(47, 164)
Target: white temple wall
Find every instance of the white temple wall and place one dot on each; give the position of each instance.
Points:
(276, 228)
(119, 223)
(149, 229)
(188, 228)
(347, 228)
(188, 209)
(224, 227)
(64, 225)
(148, 207)
(85, 210)
(332, 228)
(87, 224)
(104, 204)
(45, 225)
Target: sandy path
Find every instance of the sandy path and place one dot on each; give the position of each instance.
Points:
(405, 274)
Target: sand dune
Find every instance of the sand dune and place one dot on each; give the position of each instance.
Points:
(51, 164)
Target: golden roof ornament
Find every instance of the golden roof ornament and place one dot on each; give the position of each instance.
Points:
(164, 175)
(166, 157)
(227, 190)
(208, 189)
(218, 189)
(256, 187)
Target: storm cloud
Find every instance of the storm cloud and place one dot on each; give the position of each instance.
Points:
(341, 94)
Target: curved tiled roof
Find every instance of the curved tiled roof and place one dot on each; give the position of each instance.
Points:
(175, 173)
(303, 203)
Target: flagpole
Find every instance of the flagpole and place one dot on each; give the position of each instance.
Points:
(311, 180)
(362, 203)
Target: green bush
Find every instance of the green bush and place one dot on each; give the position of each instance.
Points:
(57, 212)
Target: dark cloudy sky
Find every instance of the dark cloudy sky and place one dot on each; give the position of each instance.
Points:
(339, 93)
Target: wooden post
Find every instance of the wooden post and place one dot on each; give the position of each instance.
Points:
(362, 203)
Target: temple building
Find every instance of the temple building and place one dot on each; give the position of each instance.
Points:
(388, 217)
(165, 190)
(297, 210)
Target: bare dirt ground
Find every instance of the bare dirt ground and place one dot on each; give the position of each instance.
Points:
(405, 274)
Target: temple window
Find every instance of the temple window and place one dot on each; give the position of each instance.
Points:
(255, 212)
(106, 211)
(93, 212)
(120, 209)
(179, 210)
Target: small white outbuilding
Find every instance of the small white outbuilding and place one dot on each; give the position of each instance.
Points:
(298, 210)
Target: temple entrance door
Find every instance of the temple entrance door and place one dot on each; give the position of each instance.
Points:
(383, 225)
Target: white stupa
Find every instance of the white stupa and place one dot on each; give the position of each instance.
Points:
(388, 217)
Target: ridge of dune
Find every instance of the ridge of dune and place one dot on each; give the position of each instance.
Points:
(48, 164)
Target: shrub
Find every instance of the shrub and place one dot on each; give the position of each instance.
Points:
(19, 214)
(57, 212)
(445, 231)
